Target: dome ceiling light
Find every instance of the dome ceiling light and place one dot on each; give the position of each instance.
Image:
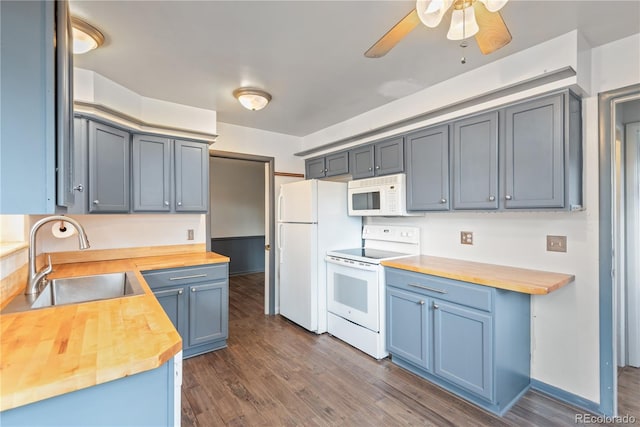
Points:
(85, 36)
(252, 99)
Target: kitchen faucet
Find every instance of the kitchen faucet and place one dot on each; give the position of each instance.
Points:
(36, 276)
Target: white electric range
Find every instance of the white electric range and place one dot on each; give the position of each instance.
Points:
(356, 285)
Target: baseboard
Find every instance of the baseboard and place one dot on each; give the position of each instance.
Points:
(566, 397)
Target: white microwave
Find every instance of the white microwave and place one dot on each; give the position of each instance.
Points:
(380, 196)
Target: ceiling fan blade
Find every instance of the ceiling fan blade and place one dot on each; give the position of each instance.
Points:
(493, 33)
(393, 36)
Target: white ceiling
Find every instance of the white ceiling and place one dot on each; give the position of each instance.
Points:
(308, 54)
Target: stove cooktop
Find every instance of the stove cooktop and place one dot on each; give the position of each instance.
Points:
(368, 253)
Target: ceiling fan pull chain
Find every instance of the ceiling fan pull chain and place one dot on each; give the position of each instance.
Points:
(464, 43)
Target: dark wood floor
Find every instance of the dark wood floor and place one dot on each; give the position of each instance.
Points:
(275, 373)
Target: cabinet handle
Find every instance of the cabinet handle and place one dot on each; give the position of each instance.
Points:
(443, 200)
(492, 198)
(180, 292)
(426, 288)
(326, 170)
(378, 167)
(79, 188)
(436, 306)
(166, 203)
(421, 302)
(193, 289)
(96, 202)
(508, 197)
(179, 203)
(195, 276)
(370, 169)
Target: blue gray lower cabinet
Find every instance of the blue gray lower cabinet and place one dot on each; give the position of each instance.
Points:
(470, 339)
(196, 299)
(144, 399)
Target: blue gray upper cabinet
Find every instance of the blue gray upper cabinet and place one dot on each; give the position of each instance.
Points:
(151, 174)
(192, 176)
(475, 162)
(33, 64)
(381, 158)
(537, 153)
(331, 165)
(108, 168)
(427, 153)
(314, 168)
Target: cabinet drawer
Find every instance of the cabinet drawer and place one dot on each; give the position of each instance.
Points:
(186, 275)
(468, 294)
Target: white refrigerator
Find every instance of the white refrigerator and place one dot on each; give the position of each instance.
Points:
(312, 219)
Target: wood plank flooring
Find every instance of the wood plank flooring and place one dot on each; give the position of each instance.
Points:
(274, 373)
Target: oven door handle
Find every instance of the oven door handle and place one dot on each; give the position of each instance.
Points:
(350, 263)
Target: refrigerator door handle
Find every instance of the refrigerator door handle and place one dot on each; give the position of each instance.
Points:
(280, 245)
(280, 202)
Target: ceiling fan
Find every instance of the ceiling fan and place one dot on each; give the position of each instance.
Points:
(479, 18)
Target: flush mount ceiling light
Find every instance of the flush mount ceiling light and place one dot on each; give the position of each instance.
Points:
(85, 36)
(252, 99)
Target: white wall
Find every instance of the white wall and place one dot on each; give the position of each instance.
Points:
(281, 147)
(565, 332)
(126, 231)
(237, 197)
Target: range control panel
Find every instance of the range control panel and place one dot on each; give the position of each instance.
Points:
(394, 233)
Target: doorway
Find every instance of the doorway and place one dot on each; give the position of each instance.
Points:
(240, 219)
(619, 224)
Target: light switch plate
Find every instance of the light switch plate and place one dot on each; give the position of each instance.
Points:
(466, 237)
(557, 243)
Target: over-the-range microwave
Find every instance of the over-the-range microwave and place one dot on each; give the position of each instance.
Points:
(380, 196)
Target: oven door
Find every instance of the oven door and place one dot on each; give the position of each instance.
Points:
(352, 291)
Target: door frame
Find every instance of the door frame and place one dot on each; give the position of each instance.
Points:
(270, 301)
(607, 103)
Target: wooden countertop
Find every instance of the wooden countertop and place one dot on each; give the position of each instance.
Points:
(523, 280)
(57, 350)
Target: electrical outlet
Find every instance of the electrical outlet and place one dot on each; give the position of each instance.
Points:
(466, 237)
(190, 234)
(557, 243)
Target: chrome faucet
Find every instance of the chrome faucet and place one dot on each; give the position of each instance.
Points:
(36, 276)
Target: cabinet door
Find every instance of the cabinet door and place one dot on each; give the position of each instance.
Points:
(428, 169)
(389, 156)
(475, 162)
(337, 164)
(80, 167)
(534, 154)
(408, 327)
(314, 168)
(151, 174)
(173, 302)
(192, 176)
(362, 162)
(108, 169)
(208, 312)
(463, 343)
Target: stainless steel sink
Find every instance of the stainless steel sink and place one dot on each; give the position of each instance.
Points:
(73, 290)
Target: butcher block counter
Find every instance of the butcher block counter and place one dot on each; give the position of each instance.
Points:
(60, 349)
(534, 282)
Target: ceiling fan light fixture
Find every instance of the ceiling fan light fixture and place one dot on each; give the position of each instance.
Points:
(494, 5)
(85, 36)
(252, 99)
(431, 12)
(463, 24)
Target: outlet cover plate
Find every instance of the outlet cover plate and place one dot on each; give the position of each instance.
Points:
(190, 234)
(557, 243)
(466, 237)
